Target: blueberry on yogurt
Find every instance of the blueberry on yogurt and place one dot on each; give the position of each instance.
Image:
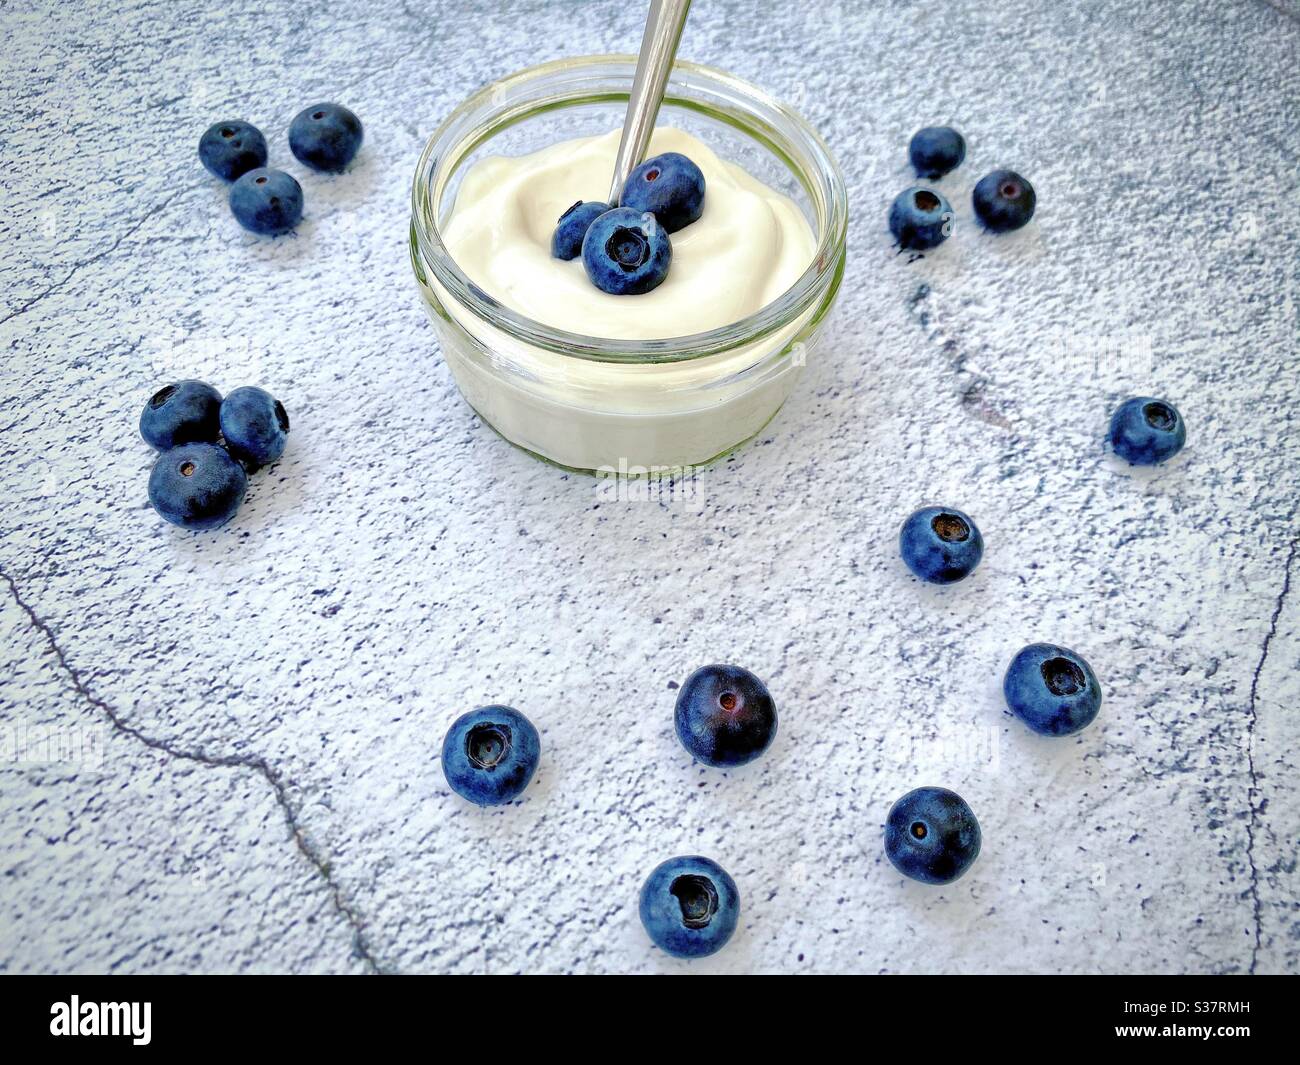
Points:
(186, 412)
(670, 187)
(566, 241)
(920, 219)
(935, 151)
(1146, 431)
(689, 906)
(626, 252)
(197, 486)
(325, 137)
(940, 545)
(255, 425)
(931, 835)
(489, 755)
(1004, 201)
(1052, 689)
(230, 150)
(266, 201)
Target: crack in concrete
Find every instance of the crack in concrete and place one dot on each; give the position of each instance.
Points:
(971, 385)
(1255, 807)
(256, 763)
(83, 263)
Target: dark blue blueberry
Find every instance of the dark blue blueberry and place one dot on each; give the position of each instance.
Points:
(940, 545)
(626, 252)
(183, 413)
(936, 150)
(690, 906)
(920, 219)
(231, 149)
(1052, 690)
(490, 754)
(566, 241)
(1147, 431)
(932, 836)
(197, 486)
(670, 187)
(325, 137)
(725, 716)
(255, 425)
(266, 201)
(1004, 201)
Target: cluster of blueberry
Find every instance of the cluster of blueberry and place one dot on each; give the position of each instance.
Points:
(931, 834)
(324, 137)
(1144, 431)
(625, 249)
(1051, 689)
(724, 717)
(922, 218)
(196, 482)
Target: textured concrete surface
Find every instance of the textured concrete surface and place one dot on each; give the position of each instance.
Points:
(245, 724)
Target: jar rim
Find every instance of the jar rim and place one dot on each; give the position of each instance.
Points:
(773, 125)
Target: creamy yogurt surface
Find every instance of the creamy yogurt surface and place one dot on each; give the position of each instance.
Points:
(749, 246)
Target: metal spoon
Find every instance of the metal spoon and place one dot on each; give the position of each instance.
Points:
(663, 31)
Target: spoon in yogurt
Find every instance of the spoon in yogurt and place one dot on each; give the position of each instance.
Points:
(663, 32)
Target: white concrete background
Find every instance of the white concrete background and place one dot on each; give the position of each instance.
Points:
(269, 699)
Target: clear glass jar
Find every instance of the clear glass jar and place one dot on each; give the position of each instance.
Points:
(626, 405)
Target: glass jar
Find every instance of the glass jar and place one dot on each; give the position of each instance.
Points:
(633, 406)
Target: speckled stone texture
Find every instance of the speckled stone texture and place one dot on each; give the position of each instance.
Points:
(253, 717)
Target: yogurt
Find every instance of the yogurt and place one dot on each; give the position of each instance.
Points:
(748, 247)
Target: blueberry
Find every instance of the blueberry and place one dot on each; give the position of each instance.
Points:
(197, 486)
(255, 425)
(1052, 690)
(1004, 200)
(490, 754)
(566, 241)
(940, 544)
(670, 187)
(725, 716)
(325, 136)
(936, 150)
(183, 413)
(920, 219)
(1147, 431)
(266, 201)
(690, 906)
(231, 149)
(626, 252)
(932, 836)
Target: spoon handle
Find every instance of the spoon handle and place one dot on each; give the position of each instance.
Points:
(663, 31)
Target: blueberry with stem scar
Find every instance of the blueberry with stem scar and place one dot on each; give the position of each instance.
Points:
(1052, 689)
(689, 906)
(940, 544)
(920, 219)
(490, 754)
(197, 486)
(931, 835)
(1146, 431)
(626, 252)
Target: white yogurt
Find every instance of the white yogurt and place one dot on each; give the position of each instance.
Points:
(749, 246)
